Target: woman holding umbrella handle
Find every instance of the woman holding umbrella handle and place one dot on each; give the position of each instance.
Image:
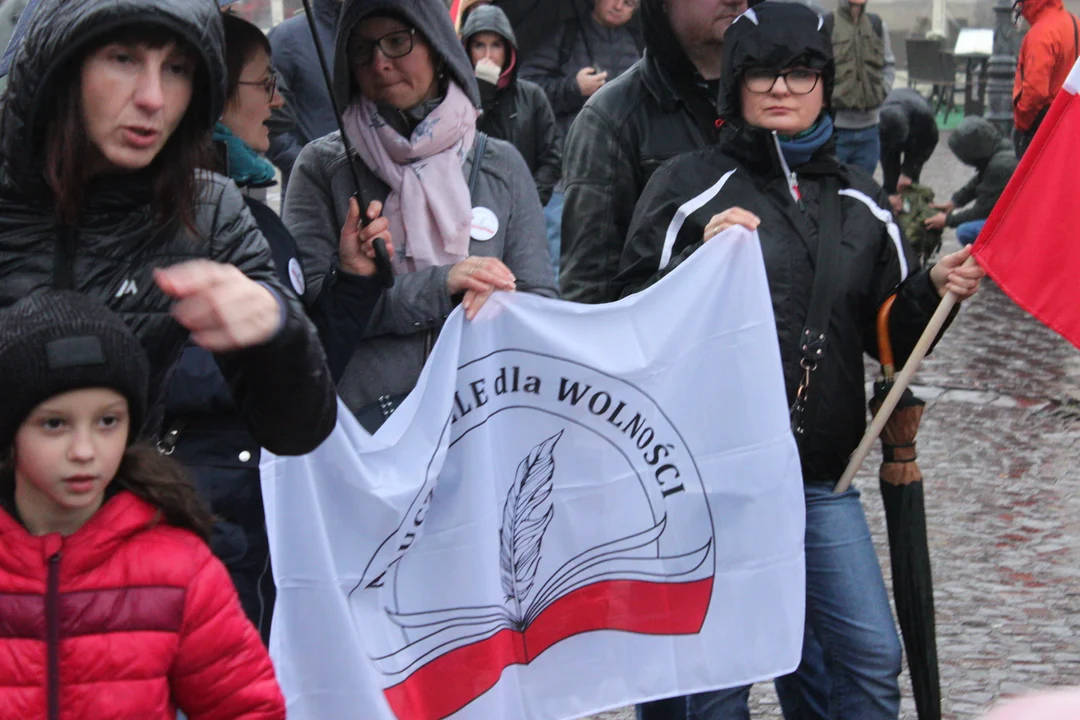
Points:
(832, 255)
(462, 206)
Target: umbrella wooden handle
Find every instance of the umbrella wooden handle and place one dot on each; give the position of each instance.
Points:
(901, 384)
(885, 353)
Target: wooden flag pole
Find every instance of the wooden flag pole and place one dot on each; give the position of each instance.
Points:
(903, 379)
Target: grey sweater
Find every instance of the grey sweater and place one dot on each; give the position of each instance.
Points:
(410, 315)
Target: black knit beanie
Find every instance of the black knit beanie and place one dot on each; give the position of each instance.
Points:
(57, 341)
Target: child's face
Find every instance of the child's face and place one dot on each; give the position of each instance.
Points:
(67, 451)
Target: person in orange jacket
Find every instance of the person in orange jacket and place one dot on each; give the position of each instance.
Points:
(111, 603)
(1047, 55)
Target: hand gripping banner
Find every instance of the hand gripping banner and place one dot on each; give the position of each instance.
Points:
(578, 508)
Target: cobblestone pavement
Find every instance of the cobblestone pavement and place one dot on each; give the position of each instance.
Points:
(1000, 453)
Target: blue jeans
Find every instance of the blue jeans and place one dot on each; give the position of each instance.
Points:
(849, 623)
(861, 148)
(967, 232)
(803, 694)
(553, 221)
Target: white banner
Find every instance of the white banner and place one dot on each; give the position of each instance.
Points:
(578, 508)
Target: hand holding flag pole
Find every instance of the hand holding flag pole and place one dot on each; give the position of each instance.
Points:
(1028, 245)
(903, 380)
(382, 258)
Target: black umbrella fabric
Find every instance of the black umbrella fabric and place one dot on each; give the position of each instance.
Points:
(902, 486)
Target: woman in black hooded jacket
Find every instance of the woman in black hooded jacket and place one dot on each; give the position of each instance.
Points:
(774, 172)
(104, 125)
(513, 109)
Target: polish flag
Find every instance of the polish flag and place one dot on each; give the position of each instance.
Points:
(455, 9)
(1030, 245)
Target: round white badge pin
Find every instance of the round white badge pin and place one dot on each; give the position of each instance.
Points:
(484, 224)
(296, 275)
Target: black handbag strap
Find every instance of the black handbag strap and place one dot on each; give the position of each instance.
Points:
(814, 339)
(478, 158)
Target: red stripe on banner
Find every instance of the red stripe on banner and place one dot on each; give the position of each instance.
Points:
(1029, 244)
(455, 8)
(452, 681)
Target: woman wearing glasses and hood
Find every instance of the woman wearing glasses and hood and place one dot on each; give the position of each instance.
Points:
(774, 172)
(411, 105)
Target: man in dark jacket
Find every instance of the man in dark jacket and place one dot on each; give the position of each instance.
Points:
(909, 134)
(976, 142)
(581, 56)
(308, 101)
(663, 106)
(514, 110)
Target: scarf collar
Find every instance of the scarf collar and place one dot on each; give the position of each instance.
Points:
(244, 165)
(429, 207)
(799, 149)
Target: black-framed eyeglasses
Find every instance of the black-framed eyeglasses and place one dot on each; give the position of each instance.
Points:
(799, 81)
(393, 45)
(268, 83)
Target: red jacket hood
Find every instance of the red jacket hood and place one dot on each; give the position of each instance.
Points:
(1032, 9)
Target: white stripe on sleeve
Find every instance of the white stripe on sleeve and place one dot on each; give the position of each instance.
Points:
(886, 217)
(686, 210)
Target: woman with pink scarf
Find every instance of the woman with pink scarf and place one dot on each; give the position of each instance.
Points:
(461, 232)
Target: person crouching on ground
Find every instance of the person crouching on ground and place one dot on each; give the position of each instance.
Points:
(113, 604)
(976, 142)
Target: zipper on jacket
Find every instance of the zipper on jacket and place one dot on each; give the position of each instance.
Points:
(791, 177)
(64, 259)
(52, 635)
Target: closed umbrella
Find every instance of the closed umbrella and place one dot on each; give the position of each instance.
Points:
(902, 485)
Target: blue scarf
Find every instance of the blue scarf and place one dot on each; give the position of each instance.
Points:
(246, 166)
(799, 149)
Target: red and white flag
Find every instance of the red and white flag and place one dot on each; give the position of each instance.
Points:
(1030, 245)
(578, 508)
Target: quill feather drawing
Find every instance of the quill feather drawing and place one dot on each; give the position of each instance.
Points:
(526, 516)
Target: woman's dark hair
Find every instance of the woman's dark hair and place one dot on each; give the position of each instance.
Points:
(174, 186)
(149, 475)
(242, 41)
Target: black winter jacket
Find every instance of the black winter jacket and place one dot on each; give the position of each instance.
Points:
(283, 388)
(874, 257)
(207, 434)
(589, 44)
(977, 143)
(901, 152)
(518, 112)
(658, 109)
(521, 115)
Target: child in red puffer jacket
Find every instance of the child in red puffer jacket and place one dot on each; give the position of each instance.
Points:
(111, 603)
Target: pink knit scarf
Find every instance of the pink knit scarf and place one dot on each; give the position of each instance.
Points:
(429, 208)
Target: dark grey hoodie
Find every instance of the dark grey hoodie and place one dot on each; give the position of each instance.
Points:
(410, 314)
(976, 142)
